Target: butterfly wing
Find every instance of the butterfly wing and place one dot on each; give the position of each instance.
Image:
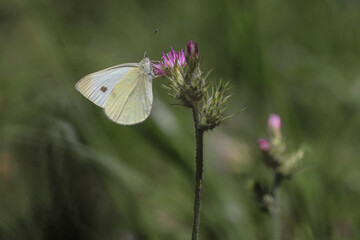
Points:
(97, 86)
(131, 99)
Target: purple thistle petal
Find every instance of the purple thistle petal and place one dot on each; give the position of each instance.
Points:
(264, 144)
(274, 121)
(169, 61)
(182, 58)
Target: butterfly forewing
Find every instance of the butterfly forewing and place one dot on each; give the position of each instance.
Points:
(131, 99)
(98, 86)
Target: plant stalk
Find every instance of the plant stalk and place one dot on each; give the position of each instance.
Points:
(199, 134)
(275, 209)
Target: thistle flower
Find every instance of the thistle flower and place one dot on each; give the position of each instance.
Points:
(188, 84)
(185, 85)
(169, 63)
(264, 144)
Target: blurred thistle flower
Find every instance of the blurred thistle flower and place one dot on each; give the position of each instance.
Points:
(274, 121)
(283, 164)
(264, 144)
(274, 124)
(170, 63)
(277, 157)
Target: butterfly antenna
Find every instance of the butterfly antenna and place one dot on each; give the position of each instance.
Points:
(155, 32)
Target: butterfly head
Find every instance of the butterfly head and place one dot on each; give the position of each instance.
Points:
(146, 65)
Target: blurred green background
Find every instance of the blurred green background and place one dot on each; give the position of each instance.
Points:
(66, 172)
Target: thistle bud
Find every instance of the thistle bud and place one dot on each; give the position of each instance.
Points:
(274, 121)
(264, 144)
(274, 124)
(214, 106)
(192, 55)
(192, 50)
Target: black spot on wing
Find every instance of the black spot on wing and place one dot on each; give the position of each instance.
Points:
(103, 89)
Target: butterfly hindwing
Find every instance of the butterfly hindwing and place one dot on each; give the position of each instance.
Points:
(131, 99)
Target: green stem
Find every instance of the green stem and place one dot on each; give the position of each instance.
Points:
(199, 134)
(275, 209)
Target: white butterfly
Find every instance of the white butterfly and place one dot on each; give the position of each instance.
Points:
(123, 91)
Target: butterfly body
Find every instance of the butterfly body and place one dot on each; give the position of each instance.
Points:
(123, 91)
